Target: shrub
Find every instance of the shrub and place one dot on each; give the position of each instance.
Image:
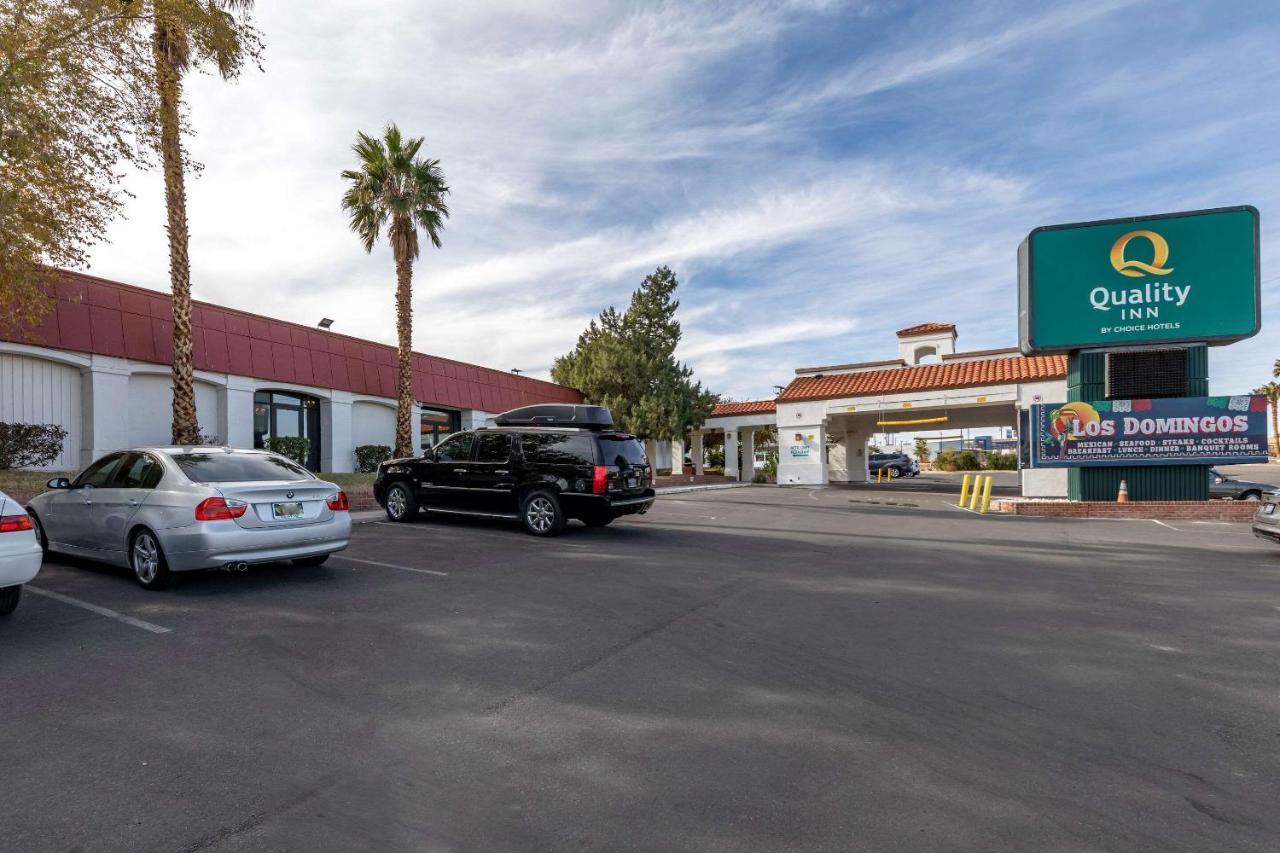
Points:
(369, 455)
(1003, 461)
(967, 460)
(946, 460)
(715, 457)
(30, 445)
(293, 447)
(760, 477)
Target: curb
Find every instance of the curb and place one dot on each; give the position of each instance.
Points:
(714, 487)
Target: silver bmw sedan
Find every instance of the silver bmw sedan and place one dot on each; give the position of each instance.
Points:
(160, 510)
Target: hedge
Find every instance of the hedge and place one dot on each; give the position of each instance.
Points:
(30, 445)
(292, 447)
(369, 455)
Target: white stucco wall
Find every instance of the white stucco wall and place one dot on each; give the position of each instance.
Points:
(373, 423)
(150, 409)
(38, 391)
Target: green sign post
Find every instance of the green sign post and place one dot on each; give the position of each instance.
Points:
(1172, 278)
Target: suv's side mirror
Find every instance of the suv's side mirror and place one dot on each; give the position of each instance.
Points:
(59, 483)
(429, 453)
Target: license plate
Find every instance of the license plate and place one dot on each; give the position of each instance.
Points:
(1269, 509)
(631, 482)
(289, 510)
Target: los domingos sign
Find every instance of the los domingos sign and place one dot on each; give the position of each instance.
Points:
(1176, 277)
(1180, 430)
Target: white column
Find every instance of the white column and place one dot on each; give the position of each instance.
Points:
(337, 449)
(801, 450)
(235, 413)
(695, 451)
(677, 456)
(651, 453)
(748, 454)
(104, 407)
(731, 454)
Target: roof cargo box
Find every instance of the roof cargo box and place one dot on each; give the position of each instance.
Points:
(557, 414)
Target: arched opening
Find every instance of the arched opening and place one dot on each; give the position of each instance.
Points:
(926, 355)
(280, 414)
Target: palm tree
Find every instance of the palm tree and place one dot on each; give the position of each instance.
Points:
(395, 190)
(1272, 392)
(186, 33)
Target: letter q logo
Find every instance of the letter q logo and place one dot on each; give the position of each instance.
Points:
(1137, 269)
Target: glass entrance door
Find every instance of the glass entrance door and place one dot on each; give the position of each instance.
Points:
(280, 414)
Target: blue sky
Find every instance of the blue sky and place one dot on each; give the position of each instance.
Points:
(819, 174)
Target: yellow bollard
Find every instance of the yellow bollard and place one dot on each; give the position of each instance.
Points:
(986, 494)
(977, 490)
(879, 474)
(964, 489)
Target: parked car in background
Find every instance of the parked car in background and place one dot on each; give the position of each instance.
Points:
(160, 510)
(894, 464)
(20, 554)
(1222, 485)
(1266, 521)
(541, 465)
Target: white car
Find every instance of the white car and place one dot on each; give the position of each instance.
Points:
(20, 554)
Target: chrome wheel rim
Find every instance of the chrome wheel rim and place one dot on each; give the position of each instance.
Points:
(541, 514)
(146, 558)
(894, 473)
(397, 502)
(1252, 498)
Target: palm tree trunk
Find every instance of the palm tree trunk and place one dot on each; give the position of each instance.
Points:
(186, 429)
(404, 333)
(1275, 425)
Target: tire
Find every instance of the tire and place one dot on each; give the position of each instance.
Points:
(146, 559)
(38, 529)
(401, 503)
(895, 473)
(311, 562)
(1251, 496)
(9, 598)
(541, 514)
(598, 520)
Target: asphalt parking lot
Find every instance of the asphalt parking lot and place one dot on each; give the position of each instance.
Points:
(753, 669)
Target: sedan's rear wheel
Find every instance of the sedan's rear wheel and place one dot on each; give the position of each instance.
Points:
(1251, 496)
(147, 561)
(9, 598)
(895, 473)
(401, 504)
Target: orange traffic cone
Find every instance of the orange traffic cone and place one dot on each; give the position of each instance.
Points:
(1123, 497)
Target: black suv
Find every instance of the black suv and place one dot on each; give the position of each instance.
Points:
(894, 464)
(541, 464)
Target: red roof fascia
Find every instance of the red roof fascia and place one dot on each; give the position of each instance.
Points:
(103, 317)
(926, 329)
(748, 407)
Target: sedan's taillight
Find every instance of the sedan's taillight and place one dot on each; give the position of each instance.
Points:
(219, 509)
(600, 480)
(338, 503)
(14, 523)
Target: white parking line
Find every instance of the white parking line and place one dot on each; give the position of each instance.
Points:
(101, 611)
(1163, 524)
(389, 565)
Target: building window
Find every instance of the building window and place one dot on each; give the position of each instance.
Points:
(279, 414)
(437, 425)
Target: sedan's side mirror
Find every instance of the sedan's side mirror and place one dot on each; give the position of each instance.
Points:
(1217, 479)
(429, 453)
(59, 483)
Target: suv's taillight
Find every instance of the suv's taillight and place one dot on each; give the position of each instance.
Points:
(219, 509)
(14, 523)
(600, 480)
(338, 503)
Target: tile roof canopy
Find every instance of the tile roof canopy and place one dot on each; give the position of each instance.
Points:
(926, 329)
(748, 407)
(965, 374)
(94, 315)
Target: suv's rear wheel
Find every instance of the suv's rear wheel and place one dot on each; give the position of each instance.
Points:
(541, 513)
(401, 504)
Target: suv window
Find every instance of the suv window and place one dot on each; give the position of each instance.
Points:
(99, 473)
(622, 451)
(140, 471)
(493, 447)
(456, 449)
(223, 467)
(552, 448)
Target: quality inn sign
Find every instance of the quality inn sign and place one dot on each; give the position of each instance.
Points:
(1172, 278)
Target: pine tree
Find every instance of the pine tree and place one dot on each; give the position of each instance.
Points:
(626, 362)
